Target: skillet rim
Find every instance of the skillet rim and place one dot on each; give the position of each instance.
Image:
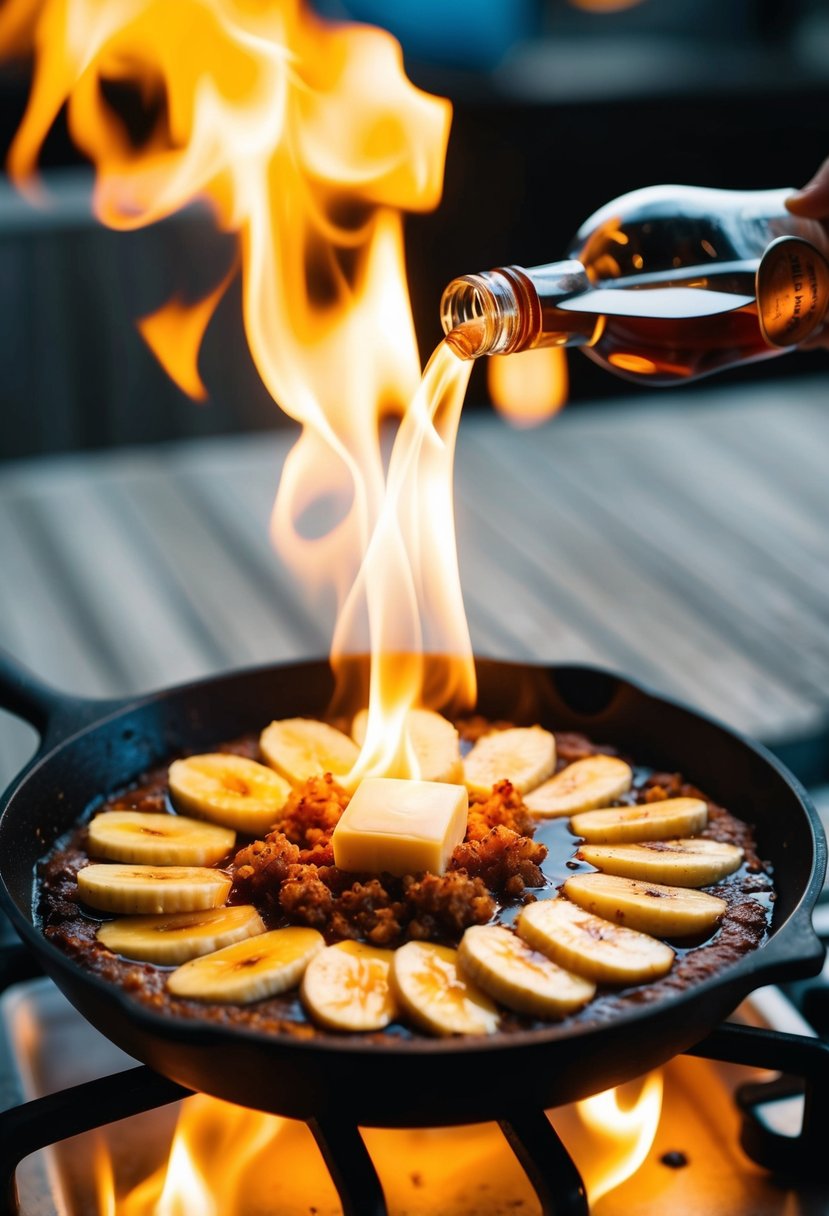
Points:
(741, 977)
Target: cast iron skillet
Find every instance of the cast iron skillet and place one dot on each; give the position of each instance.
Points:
(90, 748)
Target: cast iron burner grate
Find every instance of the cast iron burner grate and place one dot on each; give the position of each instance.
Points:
(803, 1063)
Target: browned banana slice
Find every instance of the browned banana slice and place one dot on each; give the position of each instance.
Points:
(346, 987)
(251, 970)
(667, 820)
(592, 946)
(524, 755)
(158, 840)
(518, 976)
(180, 936)
(300, 748)
(431, 990)
(695, 862)
(156, 889)
(231, 790)
(647, 906)
(582, 786)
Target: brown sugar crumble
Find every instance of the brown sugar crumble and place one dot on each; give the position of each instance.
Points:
(303, 884)
(310, 815)
(506, 861)
(503, 807)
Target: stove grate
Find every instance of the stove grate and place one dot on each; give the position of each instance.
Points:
(803, 1062)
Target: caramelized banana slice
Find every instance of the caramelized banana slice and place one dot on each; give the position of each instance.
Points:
(300, 748)
(122, 888)
(524, 755)
(591, 946)
(426, 982)
(230, 790)
(650, 821)
(434, 740)
(518, 976)
(346, 987)
(249, 971)
(581, 786)
(160, 840)
(696, 862)
(173, 939)
(647, 906)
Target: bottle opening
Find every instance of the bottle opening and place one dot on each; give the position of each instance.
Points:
(479, 314)
(463, 315)
(462, 303)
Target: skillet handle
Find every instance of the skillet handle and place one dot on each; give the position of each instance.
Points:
(53, 714)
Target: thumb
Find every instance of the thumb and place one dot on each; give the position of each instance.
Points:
(813, 200)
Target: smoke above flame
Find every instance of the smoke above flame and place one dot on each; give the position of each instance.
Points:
(308, 141)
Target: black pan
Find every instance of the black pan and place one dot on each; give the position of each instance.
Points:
(91, 748)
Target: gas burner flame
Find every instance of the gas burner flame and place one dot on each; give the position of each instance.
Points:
(228, 1161)
(623, 1123)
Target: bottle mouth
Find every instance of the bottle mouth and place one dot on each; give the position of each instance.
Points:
(480, 314)
(465, 301)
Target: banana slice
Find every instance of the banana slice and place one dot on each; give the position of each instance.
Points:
(346, 987)
(231, 790)
(300, 748)
(157, 889)
(160, 840)
(651, 821)
(434, 740)
(426, 982)
(515, 974)
(249, 971)
(170, 940)
(581, 786)
(647, 906)
(591, 946)
(682, 863)
(525, 755)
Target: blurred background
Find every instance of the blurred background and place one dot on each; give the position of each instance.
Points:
(559, 106)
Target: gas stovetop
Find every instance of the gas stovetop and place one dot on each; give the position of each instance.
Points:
(732, 1138)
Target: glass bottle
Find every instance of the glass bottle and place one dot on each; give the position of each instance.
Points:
(663, 285)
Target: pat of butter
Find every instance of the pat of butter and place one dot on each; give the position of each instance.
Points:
(401, 827)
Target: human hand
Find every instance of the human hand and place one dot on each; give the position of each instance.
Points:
(812, 203)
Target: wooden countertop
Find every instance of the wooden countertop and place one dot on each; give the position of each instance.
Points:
(683, 541)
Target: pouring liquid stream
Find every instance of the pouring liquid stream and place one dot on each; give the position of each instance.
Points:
(408, 587)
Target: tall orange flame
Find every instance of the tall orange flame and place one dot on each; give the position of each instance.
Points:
(307, 139)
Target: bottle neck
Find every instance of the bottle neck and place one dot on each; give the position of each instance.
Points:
(502, 311)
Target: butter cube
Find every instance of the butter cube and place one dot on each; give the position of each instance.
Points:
(401, 827)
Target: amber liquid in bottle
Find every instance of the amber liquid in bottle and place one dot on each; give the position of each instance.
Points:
(664, 285)
(671, 349)
(662, 349)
